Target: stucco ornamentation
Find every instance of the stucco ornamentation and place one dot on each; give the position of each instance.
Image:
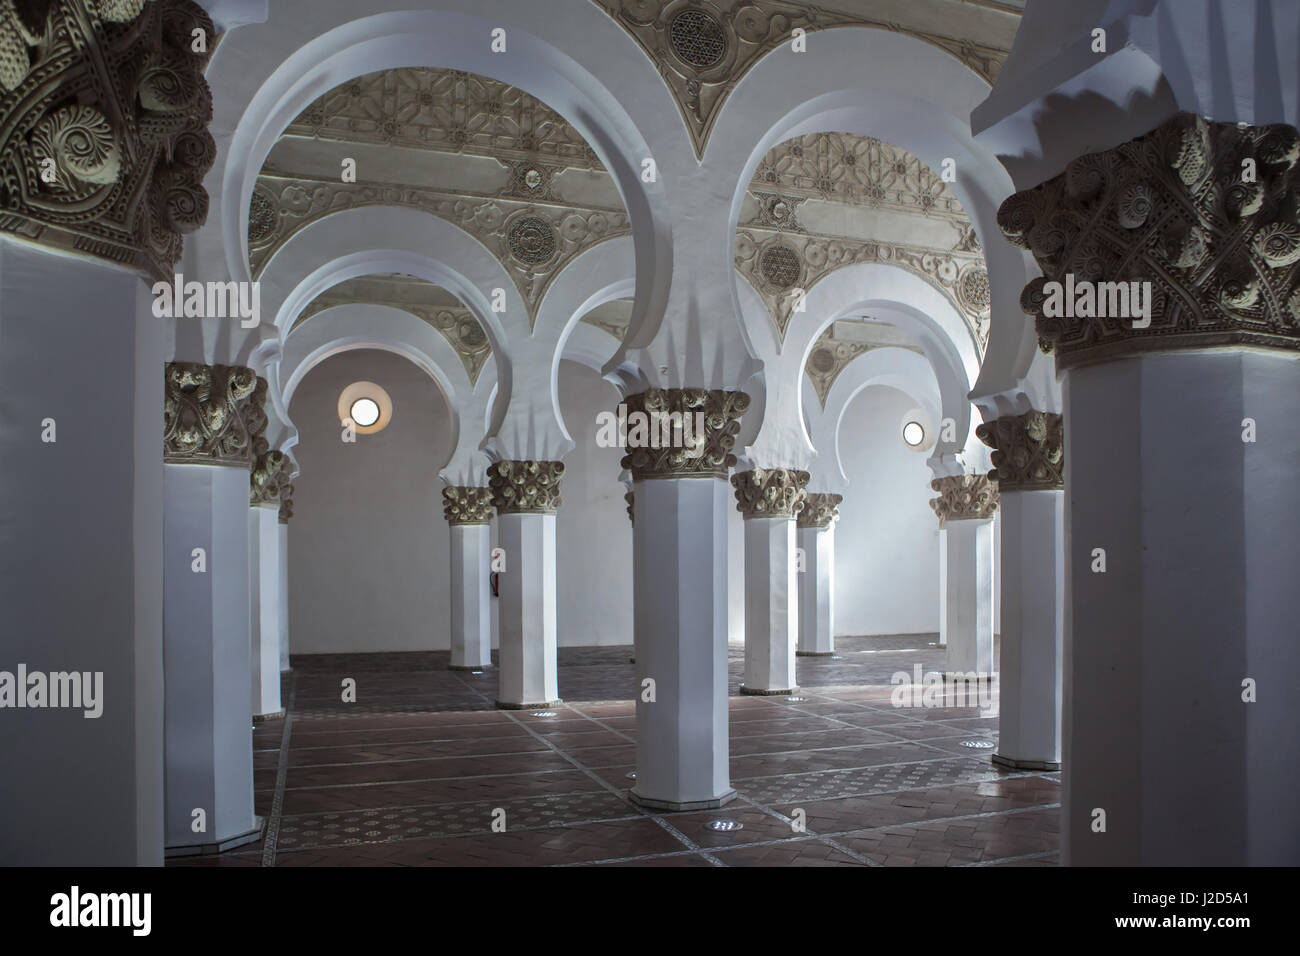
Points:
(464, 504)
(1029, 451)
(770, 492)
(714, 459)
(212, 414)
(964, 497)
(820, 510)
(526, 487)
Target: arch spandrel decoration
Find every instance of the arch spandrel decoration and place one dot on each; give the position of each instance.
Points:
(426, 301)
(702, 49)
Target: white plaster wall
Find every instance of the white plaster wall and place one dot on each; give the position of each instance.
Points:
(887, 539)
(368, 566)
(593, 536)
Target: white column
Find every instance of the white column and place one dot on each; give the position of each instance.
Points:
(526, 657)
(471, 620)
(81, 492)
(771, 606)
(817, 592)
(966, 626)
(680, 547)
(209, 745)
(1197, 528)
(1033, 611)
(264, 608)
(282, 558)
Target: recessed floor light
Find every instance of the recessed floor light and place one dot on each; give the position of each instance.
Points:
(978, 744)
(724, 826)
(795, 700)
(631, 775)
(544, 713)
(476, 672)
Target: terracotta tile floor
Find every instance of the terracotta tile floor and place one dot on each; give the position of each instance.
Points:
(412, 773)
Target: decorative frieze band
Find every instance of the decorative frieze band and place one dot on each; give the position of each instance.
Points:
(1187, 237)
(267, 479)
(104, 144)
(526, 487)
(770, 492)
(465, 504)
(964, 497)
(710, 458)
(1029, 451)
(212, 414)
(819, 510)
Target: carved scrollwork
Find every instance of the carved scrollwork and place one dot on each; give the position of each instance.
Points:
(267, 479)
(820, 510)
(465, 504)
(630, 498)
(105, 143)
(1205, 213)
(1029, 451)
(286, 500)
(964, 497)
(526, 487)
(770, 492)
(212, 414)
(712, 459)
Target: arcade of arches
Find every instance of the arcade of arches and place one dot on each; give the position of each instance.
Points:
(679, 432)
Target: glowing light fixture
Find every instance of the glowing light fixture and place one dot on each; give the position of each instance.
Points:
(913, 433)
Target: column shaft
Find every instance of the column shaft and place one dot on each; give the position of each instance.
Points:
(966, 626)
(282, 579)
(681, 627)
(528, 675)
(817, 592)
(771, 606)
(471, 621)
(264, 609)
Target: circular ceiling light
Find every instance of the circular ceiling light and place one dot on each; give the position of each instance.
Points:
(365, 407)
(365, 412)
(913, 433)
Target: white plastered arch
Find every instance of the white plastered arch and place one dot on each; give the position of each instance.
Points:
(585, 67)
(897, 368)
(900, 89)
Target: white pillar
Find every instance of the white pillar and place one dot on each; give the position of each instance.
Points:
(815, 534)
(282, 577)
(1033, 612)
(81, 491)
(967, 625)
(771, 606)
(206, 632)
(680, 612)
(264, 608)
(769, 499)
(528, 675)
(471, 620)
(1198, 530)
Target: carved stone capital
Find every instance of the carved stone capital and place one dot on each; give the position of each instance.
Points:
(268, 477)
(105, 142)
(465, 504)
(819, 510)
(212, 415)
(1029, 451)
(526, 487)
(711, 458)
(286, 502)
(964, 498)
(630, 498)
(1200, 215)
(770, 492)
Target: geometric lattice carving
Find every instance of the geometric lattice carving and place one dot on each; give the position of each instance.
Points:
(1204, 214)
(104, 143)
